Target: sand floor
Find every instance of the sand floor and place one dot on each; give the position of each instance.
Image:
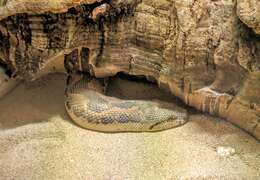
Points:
(38, 141)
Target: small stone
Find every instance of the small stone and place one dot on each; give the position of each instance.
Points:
(225, 151)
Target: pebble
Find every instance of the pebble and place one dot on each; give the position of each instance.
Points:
(225, 151)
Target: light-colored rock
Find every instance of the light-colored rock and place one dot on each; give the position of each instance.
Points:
(38, 6)
(244, 110)
(225, 151)
(249, 13)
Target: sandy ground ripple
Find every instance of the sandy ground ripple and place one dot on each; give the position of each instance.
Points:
(38, 141)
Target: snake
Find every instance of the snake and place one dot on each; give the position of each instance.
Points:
(88, 106)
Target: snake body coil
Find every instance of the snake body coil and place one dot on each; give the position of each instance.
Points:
(92, 110)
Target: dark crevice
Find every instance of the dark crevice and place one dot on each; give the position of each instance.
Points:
(172, 98)
(4, 43)
(8, 72)
(252, 40)
(135, 78)
(101, 40)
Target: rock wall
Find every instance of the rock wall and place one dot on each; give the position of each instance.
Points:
(205, 52)
(249, 13)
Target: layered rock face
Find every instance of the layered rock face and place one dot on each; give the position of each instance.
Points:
(249, 13)
(205, 52)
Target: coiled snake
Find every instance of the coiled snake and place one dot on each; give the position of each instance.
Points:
(91, 109)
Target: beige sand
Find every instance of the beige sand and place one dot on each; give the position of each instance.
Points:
(39, 141)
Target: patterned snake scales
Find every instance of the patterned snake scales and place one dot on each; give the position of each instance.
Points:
(90, 108)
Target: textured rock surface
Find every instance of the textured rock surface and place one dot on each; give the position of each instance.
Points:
(203, 51)
(12, 7)
(249, 12)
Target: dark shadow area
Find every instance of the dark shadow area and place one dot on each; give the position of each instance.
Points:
(126, 86)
